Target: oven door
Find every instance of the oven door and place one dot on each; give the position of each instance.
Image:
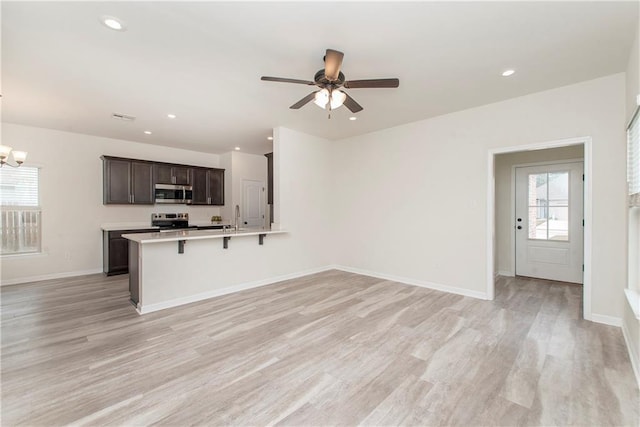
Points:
(167, 193)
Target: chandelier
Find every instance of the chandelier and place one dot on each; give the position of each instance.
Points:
(18, 156)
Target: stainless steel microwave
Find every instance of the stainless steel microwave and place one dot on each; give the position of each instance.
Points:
(170, 193)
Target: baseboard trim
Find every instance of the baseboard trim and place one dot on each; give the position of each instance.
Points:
(53, 276)
(414, 282)
(144, 309)
(606, 320)
(633, 356)
(506, 273)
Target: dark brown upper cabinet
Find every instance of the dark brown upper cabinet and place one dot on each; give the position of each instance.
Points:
(127, 181)
(172, 174)
(208, 186)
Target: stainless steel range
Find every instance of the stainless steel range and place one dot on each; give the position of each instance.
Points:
(171, 221)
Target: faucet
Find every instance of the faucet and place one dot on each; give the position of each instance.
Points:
(236, 226)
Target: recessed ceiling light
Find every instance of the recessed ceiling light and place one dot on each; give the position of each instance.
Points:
(507, 73)
(237, 148)
(270, 138)
(171, 116)
(113, 23)
(148, 132)
(352, 118)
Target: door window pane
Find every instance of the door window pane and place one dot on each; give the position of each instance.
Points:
(559, 223)
(548, 200)
(537, 223)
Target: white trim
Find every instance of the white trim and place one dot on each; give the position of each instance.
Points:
(633, 298)
(633, 356)
(414, 282)
(491, 225)
(53, 276)
(606, 320)
(588, 191)
(506, 273)
(588, 227)
(144, 309)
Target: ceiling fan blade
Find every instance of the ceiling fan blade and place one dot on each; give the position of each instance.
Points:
(303, 101)
(372, 83)
(285, 80)
(351, 104)
(332, 64)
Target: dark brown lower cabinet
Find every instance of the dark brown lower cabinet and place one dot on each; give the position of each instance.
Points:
(115, 252)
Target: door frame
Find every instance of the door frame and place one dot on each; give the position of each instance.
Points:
(512, 200)
(588, 209)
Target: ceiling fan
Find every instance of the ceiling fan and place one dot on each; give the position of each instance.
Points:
(331, 81)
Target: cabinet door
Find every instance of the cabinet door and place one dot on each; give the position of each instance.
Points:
(117, 181)
(216, 186)
(181, 175)
(142, 183)
(200, 194)
(163, 174)
(118, 255)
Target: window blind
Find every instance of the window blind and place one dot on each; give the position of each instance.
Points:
(633, 160)
(19, 186)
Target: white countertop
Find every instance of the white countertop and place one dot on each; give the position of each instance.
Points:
(174, 236)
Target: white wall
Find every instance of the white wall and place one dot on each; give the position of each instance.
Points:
(633, 77)
(504, 192)
(303, 195)
(631, 322)
(71, 197)
(413, 199)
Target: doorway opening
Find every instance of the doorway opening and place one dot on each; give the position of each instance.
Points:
(534, 229)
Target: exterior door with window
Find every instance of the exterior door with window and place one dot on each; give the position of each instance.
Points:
(549, 222)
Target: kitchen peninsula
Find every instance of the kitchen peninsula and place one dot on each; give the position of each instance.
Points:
(180, 267)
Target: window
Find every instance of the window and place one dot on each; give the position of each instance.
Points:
(549, 206)
(20, 210)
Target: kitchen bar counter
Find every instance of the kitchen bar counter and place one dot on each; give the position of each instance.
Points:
(186, 235)
(167, 269)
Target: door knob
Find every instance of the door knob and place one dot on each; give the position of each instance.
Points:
(519, 227)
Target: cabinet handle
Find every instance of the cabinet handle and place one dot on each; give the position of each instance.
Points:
(133, 198)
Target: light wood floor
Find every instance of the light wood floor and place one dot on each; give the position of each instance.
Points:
(330, 349)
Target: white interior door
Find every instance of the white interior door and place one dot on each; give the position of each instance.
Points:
(252, 203)
(549, 222)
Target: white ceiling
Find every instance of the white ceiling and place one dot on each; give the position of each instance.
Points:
(62, 69)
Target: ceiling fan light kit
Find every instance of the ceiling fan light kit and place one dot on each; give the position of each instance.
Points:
(335, 99)
(330, 80)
